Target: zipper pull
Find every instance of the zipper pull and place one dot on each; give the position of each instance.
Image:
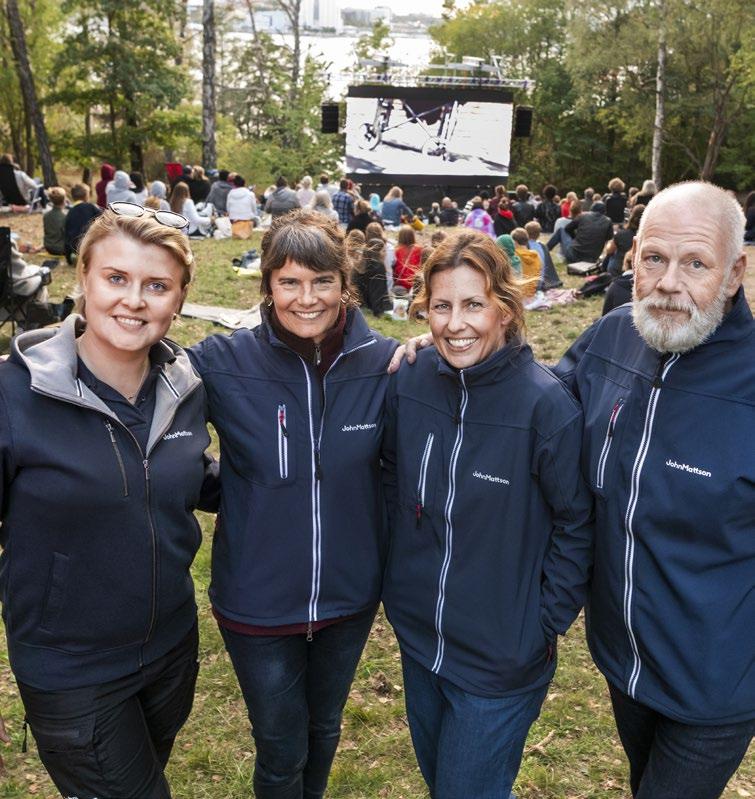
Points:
(309, 631)
(658, 380)
(418, 509)
(614, 414)
(282, 420)
(318, 468)
(145, 463)
(318, 355)
(110, 430)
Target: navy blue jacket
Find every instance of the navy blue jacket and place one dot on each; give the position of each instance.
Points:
(300, 532)
(491, 534)
(669, 450)
(97, 537)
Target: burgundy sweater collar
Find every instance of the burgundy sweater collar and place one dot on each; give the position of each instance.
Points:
(320, 356)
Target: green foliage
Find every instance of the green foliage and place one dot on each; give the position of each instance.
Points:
(594, 66)
(376, 43)
(118, 63)
(273, 136)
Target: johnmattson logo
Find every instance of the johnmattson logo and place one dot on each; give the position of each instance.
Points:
(177, 434)
(350, 428)
(685, 467)
(491, 478)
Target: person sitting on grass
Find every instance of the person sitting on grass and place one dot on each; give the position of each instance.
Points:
(584, 237)
(449, 215)
(408, 258)
(78, 219)
(532, 266)
(181, 203)
(54, 222)
(549, 278)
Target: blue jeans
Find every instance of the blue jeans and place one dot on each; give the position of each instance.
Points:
(565, 240)
(295, 691)
(466, 745)
(671, 760)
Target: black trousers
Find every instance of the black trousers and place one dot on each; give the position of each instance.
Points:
(113, 740)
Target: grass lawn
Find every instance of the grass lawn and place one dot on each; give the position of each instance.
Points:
(573, 750)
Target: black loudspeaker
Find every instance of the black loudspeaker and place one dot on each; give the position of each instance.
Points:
(522, 121)
(329, 117)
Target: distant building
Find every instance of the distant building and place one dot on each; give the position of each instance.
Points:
(321, 14)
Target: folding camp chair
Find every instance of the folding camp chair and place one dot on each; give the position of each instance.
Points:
(9, 187)
(12, 306)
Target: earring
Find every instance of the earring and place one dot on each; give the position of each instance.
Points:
(345, 297)
(269, 301)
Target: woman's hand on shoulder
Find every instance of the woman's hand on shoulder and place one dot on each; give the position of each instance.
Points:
(409, 351)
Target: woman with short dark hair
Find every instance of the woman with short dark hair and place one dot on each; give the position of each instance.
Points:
(299, 548)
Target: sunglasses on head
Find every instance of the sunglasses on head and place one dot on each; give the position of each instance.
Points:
(168, 218)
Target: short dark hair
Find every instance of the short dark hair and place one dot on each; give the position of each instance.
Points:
(238, 181)
(549, 191)
(281, 182)
(223, 174)
(310, 239)
(324, 178)
(344, 185)
(79, 191)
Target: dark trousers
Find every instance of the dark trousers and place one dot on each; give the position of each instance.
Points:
(295, 691)
(113, 740)
(671, 760)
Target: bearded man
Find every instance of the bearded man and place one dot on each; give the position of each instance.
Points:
(668, 390)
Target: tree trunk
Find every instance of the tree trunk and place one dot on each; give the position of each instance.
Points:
(29, 148)
(26, 79)
(660, 100)
(209, 152)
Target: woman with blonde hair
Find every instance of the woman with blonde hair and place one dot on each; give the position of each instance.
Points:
(490, 523)
(98, 600)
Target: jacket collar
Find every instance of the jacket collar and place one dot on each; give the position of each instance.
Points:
(736, 324)
(499, 366)
(356, 332)
(50, 357)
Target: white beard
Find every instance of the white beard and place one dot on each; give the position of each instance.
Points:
(665, 334)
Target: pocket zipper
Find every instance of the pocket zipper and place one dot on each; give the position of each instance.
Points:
(607, 442)
(423, 476)
(118, 457)
(282, 443)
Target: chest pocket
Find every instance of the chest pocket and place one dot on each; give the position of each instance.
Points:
(605, 429)
(424, 473)
(260, 443)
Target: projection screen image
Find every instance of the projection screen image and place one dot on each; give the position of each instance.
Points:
(428, 132)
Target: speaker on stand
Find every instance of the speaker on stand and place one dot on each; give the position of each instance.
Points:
(329, 118)
(522, 122)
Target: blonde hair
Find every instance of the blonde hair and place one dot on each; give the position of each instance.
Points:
(142, 229)
(57, 196)
(479, 252)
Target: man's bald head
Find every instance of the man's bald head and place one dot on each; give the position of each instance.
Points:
(697, 196)
(688, 265)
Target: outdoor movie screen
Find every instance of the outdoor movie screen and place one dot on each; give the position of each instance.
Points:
(428, 134)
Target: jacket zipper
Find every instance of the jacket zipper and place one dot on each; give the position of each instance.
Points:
(317, 475)
(639, 461)
(459, 419)
(153, 532)
(607, 442)
(118, 457)
(423, 477)
(282, 443)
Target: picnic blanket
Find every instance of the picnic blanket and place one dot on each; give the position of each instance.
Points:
(233, 318)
